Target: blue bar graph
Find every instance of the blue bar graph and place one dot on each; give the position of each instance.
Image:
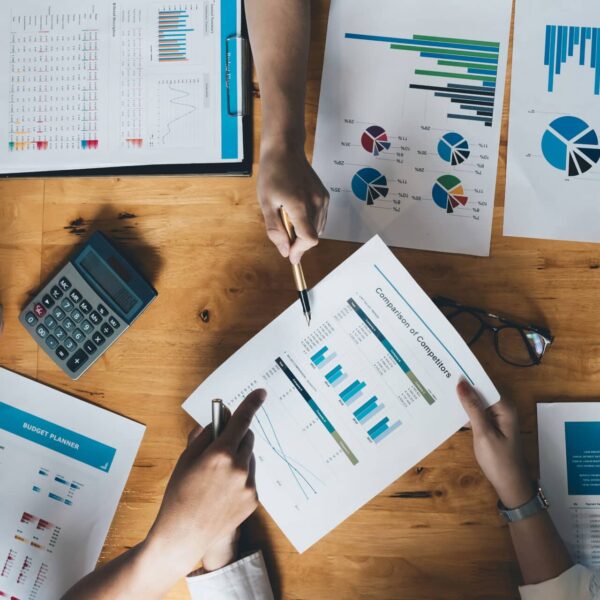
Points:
(172, 35)
(323, 357)
(561, 44)
(368, 410)
(353, 392)
(459, 59)
(380, 431)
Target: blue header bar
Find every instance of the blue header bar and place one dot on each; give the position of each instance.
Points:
(57, 438)
(229, 123)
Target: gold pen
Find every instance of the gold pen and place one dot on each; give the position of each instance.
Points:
(297, 269)
(217, 418)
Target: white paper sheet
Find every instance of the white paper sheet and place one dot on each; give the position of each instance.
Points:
(375, 332)
(63, 467)
(89, 84)
(553, 170)
(569, 440)
(403, 143)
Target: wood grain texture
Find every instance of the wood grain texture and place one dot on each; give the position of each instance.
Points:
(432, 534)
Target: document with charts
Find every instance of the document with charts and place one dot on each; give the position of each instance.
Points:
(553, 167)
(355, 400)
(63, 467)
(409, 121)
(87, 84)
(569, 439)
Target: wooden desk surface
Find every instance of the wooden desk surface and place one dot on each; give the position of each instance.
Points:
(434, 533)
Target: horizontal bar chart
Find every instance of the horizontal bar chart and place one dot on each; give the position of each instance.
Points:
(353, 392)
(173, 33)
(459, 59)
(323, 357)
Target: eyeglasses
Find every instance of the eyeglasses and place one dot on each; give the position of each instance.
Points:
(516, 344)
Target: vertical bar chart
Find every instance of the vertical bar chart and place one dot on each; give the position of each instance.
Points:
(562, 41)
(469, 66)
(173, 34)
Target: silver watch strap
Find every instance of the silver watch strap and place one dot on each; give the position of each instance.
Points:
(537, 504)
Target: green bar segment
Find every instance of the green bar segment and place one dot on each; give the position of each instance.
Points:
(454, 75)
(452, 63)
(431, 38)
(449, 51)
(342, 444)
(420, 387)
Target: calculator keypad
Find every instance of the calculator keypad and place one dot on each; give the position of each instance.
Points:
(71, 323)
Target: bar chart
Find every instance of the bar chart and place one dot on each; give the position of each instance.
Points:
(471, 66)
(323, 357)
(582, 44)
(173, 33)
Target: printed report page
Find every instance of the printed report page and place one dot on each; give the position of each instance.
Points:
(63, 466)
(355, 400)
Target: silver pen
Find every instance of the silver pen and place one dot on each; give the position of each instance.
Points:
(217, 418)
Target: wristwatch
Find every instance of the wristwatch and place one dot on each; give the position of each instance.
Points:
(537, 504)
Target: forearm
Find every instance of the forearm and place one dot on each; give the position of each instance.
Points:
(540, 551)
(137, 573)
(280, 45)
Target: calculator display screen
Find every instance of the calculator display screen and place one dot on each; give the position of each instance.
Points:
(109, 281)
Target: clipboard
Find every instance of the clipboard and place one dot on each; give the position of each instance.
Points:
(237, 104)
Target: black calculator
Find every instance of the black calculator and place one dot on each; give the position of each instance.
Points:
(87, 306)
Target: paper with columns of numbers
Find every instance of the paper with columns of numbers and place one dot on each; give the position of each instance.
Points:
(553, 168)
(409, 121)
(63, 466)
(569, 439)
(355, 400)
(89, 84)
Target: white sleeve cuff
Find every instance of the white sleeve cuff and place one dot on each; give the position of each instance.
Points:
(573, 584)
(246, 579)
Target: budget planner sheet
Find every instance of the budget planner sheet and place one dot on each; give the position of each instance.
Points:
(87, 84)
(569, 440)
(553, 168)
(354, 400)
(63, 466)
(409, 121)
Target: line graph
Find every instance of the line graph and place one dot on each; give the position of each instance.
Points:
(267, 432)
(179, 119)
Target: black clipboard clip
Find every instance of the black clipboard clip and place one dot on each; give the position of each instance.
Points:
(237, 95)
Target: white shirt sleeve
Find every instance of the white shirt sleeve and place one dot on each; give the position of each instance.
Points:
(246, 579)
(577, 583)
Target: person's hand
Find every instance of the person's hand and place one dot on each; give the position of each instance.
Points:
(287, 179)
(497, 445)
(211, 492)
(224, 550)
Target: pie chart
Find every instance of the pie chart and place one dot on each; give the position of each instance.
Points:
(453, 148)
(448, 193)
(569, 144)
(369, 184)
(375, 140)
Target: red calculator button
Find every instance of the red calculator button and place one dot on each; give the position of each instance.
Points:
(39, 310)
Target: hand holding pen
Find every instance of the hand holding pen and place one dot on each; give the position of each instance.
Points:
(297, 269)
